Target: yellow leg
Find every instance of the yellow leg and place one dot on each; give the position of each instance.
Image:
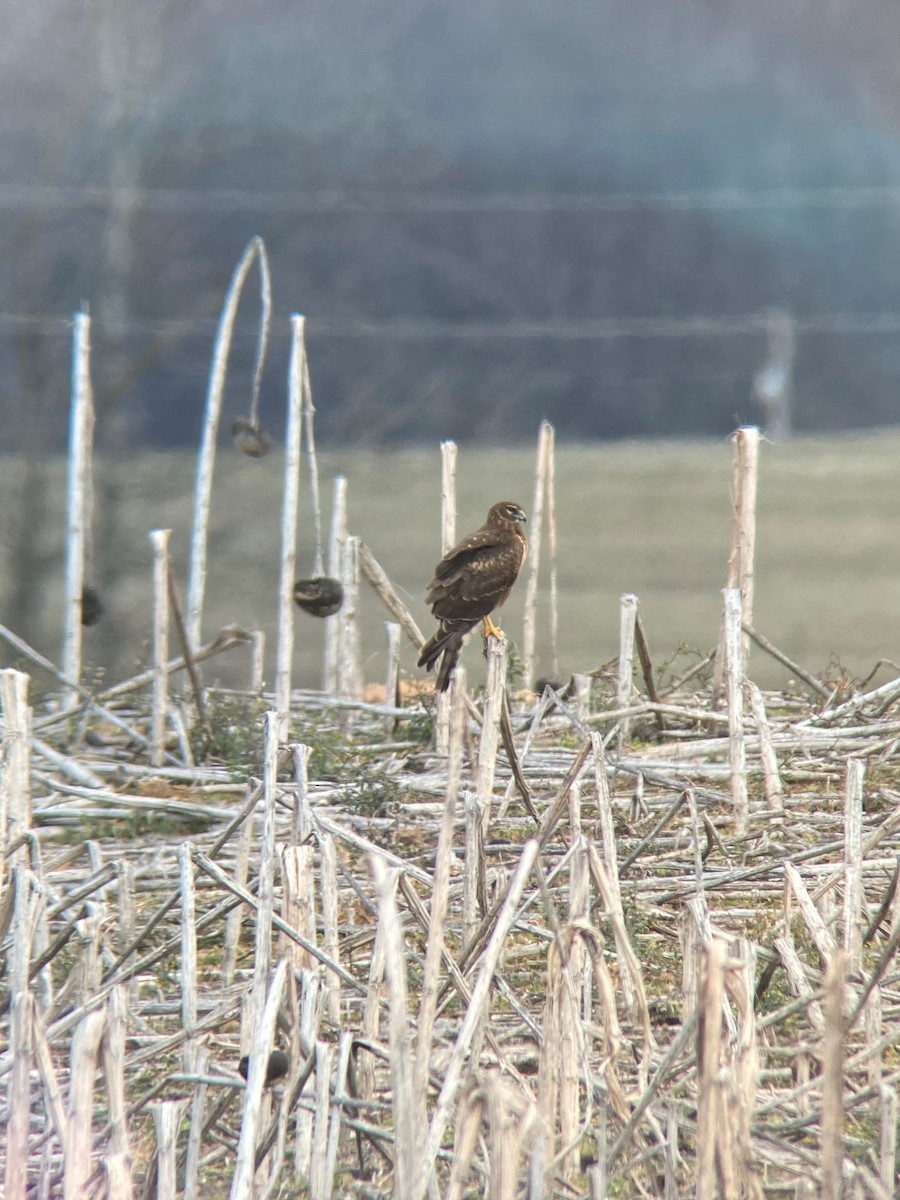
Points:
(489, 629)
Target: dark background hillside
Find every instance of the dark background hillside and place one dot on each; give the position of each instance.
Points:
(490, 211)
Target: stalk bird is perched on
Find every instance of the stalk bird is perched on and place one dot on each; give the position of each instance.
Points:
(470, 581)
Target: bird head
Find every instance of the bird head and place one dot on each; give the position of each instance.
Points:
(506, 510)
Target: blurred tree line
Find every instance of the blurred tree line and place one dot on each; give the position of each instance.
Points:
(490, 212)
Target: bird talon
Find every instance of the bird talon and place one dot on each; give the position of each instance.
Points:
(489, 629)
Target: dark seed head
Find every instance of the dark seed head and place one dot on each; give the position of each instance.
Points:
(321, 596)
(277, 1067)
(250, 439)
(91, 606)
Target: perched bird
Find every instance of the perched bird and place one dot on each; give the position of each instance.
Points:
(470, 581)
(91, 605)
(276, 1068)
(320, 596)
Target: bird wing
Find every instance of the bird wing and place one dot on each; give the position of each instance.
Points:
(466, 551)
(476, 577)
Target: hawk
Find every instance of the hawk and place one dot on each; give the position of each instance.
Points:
(470, 581)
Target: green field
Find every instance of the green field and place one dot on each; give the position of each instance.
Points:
(649, 518)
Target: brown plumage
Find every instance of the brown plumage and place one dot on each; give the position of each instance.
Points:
(470, 581)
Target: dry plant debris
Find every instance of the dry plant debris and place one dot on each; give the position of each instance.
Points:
(570, 975)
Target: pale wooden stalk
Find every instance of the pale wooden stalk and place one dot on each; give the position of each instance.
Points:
(235, 918)
(350, 680)
(407, 1106)
(741, 561)
(469, 1125)
(537, 1164)
(490, 728)
(52, 1090)
(15, 820)
(448, 496)
(15, 763)
(79, 498)
(188, 956)
(310, 1016)
(126, 924)
(853, 883)
(746, 441)
(118, 1177)
(800, 984)
(268, 852)
(319, 1184)
(336, 538)
(177, 716)
(345, 1046)
(581, 701)
(743, 1073)
(821, 934)
(21, 1037)
(375, 996)
(712, 994)
(225, 881)
(113, 1048)
(160, 541)
(309, 433)
(302, 824)
(440, 895)
(290, 497)
(56, 718)
(476, 1013)
(474, 868)
(611, 861)
(561, 1050)
(734, 677)
(298, 905)
(85, 1046)
(448, 541)
(535, 528)
(330, 921)
(873, 1018)
(628, 608)
(255, 250)
(672, 1159)
(97, 907)
(768, 757)
(550, 490)
(167, 1116)
(261, 1047)
(66, 766)
(579, 887)
(257, 660)
(831, 1137)
(629, 964)
(392, 673)
(192, 1191)
(888, 1148)
(512, 1117)
(578, 873)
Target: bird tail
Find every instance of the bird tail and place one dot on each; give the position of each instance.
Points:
(445, 644)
